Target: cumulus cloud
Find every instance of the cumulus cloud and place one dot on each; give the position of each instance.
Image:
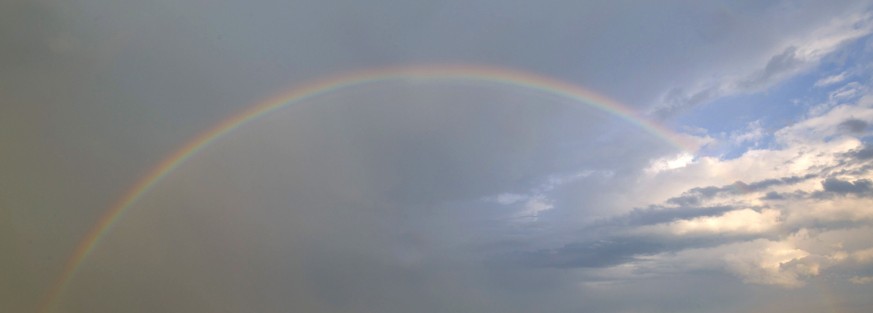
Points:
(771, 228)
(770, 263)
(779, 229)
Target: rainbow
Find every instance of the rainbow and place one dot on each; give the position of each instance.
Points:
(318, 88)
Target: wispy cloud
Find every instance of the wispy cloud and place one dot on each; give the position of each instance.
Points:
(796, 55)
(537, 200)
(830, 80)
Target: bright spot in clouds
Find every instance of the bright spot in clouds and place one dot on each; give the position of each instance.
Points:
(745, 221)
(670, 163)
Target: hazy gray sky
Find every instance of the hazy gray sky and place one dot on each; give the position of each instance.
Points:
(442, 195)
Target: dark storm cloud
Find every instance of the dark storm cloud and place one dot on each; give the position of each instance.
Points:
(594, 254)
(865, 153)
(658, 215)
(613, 242)
(784, 181)
(843, 187)
(696, 195)
(369, 201)
(773, 196)
(27, 32)
(623, 247)
(372, 192)
(853, 125)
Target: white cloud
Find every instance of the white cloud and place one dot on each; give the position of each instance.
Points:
(770, 263)
(534, 206)
(828, 38)
(847, 92)
(824, 123)
(746, 221)
(761, 261)
(753, 133)
(798, 149)
(844, 94)
(803, 234)
(670, 163)
(839, 209)
(508, 198)
(830, 80)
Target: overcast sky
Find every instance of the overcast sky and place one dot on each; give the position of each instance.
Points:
(441, 195)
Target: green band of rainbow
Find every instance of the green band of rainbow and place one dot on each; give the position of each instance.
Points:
(296, 95)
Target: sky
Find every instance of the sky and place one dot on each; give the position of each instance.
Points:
(437, 193)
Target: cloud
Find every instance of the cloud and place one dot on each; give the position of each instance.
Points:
(744, 221)
(863, 256)
(534, 206)
(699, 194)
(863, 153)
(508, 198)
(835, 185)
(777, 226)
(31, 32)
(665, 164)
(659, 214)
(861, 280)
(854, 125)
(772, 195)
(426, 196)
(781, 64)
(753, 133)
(830, 80)
(595, 254)
(847, 92)
(776, 263)
(796, 55)
(537, 200)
